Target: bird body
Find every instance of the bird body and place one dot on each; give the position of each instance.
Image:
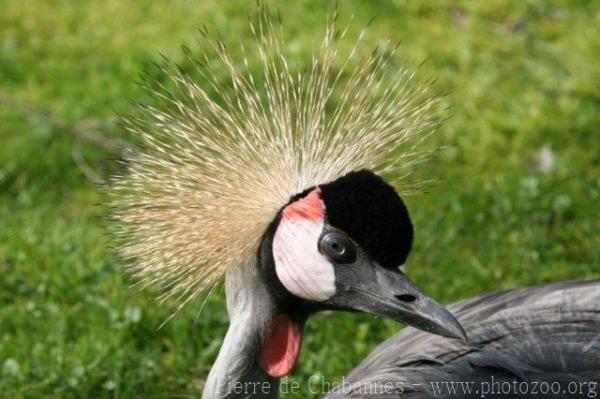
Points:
(541, 342)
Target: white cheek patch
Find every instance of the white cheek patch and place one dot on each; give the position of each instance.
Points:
(299, 265)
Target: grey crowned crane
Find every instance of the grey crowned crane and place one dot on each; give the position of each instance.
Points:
(276, 183)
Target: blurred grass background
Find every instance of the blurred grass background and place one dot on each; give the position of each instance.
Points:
(516, 202)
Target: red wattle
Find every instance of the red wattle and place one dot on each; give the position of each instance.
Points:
(281, 347)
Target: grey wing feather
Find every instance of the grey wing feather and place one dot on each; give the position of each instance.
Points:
(547, 334)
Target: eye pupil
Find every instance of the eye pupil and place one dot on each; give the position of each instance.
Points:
(336, 244)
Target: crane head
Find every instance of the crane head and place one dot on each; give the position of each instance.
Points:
(339, 246)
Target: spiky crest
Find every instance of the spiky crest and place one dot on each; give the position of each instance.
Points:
(215, 169)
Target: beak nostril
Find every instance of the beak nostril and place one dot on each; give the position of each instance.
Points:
(406, 298)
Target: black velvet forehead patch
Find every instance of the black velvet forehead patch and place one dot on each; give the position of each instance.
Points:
(370, 211)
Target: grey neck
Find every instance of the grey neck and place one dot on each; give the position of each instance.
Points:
(236, 373)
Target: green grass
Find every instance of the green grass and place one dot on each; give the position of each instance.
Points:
(520, 76)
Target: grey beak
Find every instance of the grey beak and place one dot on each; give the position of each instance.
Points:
(409, 305)
(428, 315)
(391, 294)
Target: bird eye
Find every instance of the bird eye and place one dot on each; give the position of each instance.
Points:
(337, 247)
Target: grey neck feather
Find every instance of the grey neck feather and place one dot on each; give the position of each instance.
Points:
(236, 373)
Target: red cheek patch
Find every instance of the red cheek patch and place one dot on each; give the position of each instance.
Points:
(281, 347)
(310, 207)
